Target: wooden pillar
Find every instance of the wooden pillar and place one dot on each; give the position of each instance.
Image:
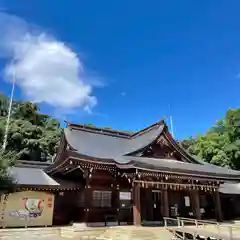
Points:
(136, 205)
(218, 208)
(87, 198)
(165, 203)
(195, 204)
(115, 199)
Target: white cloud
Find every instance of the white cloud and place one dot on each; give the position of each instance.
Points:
(46, 69)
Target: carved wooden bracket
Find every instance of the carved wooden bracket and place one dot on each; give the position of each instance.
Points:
(87, 174)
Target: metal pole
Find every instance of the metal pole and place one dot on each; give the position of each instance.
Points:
(171, 122)
(9, 115)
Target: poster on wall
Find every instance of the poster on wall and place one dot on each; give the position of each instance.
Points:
(32, 207)
(125, 195)
(187, 201)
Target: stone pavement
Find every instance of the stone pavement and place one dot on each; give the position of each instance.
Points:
(136, 233)
(114, 233)
(104, 233)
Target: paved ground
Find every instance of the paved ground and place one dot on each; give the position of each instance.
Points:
(136, 233)
(224, 228)
(115, 233)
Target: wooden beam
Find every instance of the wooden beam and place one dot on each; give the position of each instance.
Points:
(175, 186)
(74, 168)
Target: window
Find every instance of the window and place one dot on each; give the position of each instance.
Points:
(102, 198)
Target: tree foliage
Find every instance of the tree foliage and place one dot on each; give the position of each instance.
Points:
(6, 161)
(32, 135)
(221, 144)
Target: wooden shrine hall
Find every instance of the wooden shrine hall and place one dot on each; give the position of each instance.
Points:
(134, 178)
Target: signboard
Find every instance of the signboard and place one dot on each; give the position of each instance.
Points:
(125, 195)
(33, 208)
(187, 201)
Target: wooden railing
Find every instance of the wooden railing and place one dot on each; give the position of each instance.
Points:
(188, 225)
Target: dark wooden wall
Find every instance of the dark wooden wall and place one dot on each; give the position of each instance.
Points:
(105, 181)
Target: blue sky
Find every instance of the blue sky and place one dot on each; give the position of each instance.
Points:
(138, 57)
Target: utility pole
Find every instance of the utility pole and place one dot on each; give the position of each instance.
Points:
(8, 116)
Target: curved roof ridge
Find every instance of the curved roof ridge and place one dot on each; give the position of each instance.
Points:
(146, 129)
(100, 130)
(104, 145)
(112, 132)
(139, 145)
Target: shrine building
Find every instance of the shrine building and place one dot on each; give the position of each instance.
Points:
(104, 177)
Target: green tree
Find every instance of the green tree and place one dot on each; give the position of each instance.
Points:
(3, 105)
(7, 160)
(189, 144)
(221, 144)
(32, 135)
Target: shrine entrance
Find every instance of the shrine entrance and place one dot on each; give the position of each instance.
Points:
(151, 206)
(156, 205)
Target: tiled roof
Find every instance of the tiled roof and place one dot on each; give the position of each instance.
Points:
(33, 164)
(116, 147)
(105, 145)
(178, 166)
(32, 176)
